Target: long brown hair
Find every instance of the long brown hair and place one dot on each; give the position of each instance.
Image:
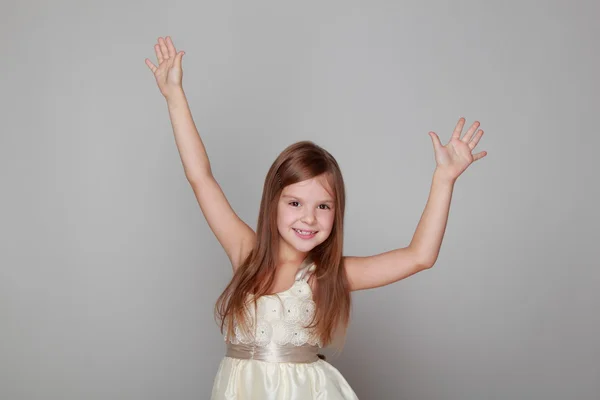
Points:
(255, 276)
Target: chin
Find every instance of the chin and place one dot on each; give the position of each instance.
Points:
(304, 247)
(308, 245)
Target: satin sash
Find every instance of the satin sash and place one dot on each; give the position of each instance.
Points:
(274, 353)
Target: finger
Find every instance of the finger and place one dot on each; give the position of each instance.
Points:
(475, 140)
(178, 58)
(159, 56)
(163, 48)
(171, 47)
(479, 155)
(458, 128)
(152, 67)
(470, 132)
(436, 140)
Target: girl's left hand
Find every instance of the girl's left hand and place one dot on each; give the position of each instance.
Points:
(453, 158)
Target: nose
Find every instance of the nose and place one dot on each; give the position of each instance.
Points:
(309, 217)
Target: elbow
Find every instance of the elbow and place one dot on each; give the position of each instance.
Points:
(427, 262)
(424, 259)
(423, 266)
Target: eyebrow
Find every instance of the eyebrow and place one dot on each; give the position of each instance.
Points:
(298, 198)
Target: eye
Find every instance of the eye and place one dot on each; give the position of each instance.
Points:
(293, 202)
(327, 207)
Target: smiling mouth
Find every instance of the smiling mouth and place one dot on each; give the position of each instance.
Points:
(304, 232)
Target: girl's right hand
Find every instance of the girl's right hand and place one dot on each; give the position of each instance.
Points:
(168, 74)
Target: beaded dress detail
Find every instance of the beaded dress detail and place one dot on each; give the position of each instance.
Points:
(249, 370)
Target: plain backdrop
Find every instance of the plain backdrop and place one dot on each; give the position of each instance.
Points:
(109, 272)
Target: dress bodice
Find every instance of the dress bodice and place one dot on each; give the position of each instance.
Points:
(281, 318)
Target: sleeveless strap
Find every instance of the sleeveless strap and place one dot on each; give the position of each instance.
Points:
(306, 269)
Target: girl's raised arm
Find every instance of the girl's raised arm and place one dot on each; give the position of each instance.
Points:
(422, 252)
(236, 237)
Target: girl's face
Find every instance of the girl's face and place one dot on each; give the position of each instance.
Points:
(305, 215)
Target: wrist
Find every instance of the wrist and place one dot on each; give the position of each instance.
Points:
(442, 176)
(175, 95)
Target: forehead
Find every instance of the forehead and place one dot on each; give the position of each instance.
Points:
(318, 186)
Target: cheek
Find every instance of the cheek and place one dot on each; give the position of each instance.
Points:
(284, 217)
(327, 221)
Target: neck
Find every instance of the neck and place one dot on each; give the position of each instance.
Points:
(289, 255)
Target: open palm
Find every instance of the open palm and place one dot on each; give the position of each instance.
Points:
(169, 73)
(454, 158)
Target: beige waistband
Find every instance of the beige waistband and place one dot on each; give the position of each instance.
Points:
(274, 353)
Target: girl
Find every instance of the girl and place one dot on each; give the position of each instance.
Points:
(291, 284)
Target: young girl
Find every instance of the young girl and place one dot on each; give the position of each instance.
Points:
(291, 284)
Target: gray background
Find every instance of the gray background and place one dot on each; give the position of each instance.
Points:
(109, 272)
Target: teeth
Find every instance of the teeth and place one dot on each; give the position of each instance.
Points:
(304, 232)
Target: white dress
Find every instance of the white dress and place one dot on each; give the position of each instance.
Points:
(281, 321)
